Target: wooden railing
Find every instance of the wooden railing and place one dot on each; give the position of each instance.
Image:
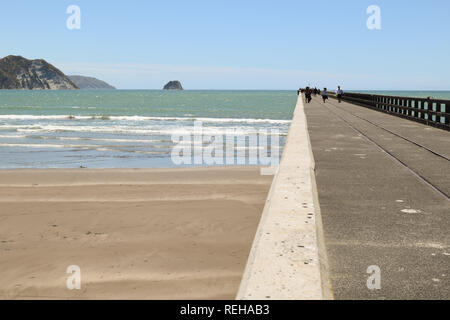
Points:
(433, 112)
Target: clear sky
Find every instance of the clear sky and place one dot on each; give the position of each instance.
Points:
(244, 44)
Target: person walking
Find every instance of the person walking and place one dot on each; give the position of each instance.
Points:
(324, 95)
(308, 95)
(339, 93)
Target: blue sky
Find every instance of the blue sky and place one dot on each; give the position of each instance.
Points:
(242, 44)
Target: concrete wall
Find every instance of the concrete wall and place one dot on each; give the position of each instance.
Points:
(288, 258)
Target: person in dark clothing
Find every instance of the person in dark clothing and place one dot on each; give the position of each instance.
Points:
(339, 93)
(308, 95)
(324, 95)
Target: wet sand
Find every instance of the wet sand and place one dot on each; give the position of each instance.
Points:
(135, 234)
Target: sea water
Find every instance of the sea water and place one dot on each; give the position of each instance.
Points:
(127, 128)
(444, 95)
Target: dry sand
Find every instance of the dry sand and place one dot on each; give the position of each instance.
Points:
(135, 234)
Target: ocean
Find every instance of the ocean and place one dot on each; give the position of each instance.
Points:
(133, 128)
(136, 128)
(445, 95)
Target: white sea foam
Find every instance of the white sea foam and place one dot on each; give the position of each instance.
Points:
(120, 148)
(107, 139)
(12, 137)
(74, 146)
(32, 117)
(140, 130)
(35, 145)
(140, 118)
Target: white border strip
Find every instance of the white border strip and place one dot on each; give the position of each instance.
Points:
(288, 258)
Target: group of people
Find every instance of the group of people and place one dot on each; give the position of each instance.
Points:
(324, 93)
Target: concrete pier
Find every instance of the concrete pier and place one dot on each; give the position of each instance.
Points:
(357, 189)
(383, 184)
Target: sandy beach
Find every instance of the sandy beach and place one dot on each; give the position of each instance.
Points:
(134, 233)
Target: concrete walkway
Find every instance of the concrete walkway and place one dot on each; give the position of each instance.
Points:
(379, 211)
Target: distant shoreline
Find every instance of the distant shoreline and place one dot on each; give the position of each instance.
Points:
(226, 90)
